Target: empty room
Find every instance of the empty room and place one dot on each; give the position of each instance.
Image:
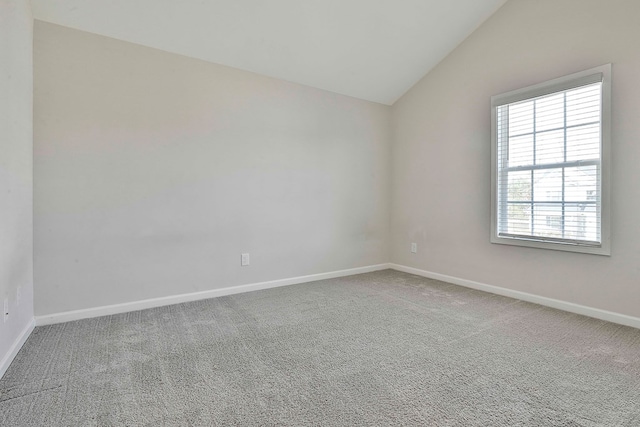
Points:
(328, 213)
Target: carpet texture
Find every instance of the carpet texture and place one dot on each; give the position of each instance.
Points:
(384, 348)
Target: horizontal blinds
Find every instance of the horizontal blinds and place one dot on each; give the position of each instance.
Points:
(549, 166)
(547, 88)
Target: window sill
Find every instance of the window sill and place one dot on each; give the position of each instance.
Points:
(602, 249)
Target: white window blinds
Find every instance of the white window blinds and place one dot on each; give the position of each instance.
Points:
(548, 166)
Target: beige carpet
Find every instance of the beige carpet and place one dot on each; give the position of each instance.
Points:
(383, 348)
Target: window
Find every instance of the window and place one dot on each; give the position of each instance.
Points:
(550, 164)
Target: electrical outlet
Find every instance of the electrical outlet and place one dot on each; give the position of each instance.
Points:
(244, 260)
(6, 310)
(414, 248)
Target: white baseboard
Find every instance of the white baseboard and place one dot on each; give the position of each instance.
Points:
(176, 299)
(68, 316)
(609, 316)
(15, 348)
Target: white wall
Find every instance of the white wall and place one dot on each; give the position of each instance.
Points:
(441, 152)
(154, 172)
(16, 147)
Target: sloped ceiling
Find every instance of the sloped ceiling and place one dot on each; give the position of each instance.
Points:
(369, 49)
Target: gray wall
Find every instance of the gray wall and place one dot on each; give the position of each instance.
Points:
(154, 172)
(16, 182)
(441, 152)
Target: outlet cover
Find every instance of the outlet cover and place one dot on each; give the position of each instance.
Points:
(244, 260)
(5, 312)
(414, 248)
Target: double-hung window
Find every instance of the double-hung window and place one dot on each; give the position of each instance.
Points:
(550, 164)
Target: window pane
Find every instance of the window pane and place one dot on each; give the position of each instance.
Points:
(550, 112)
(547, 185)
(521, 150)
(519, 218)
(519, 186)
(550, 147)
(581, 184)
(521, 118)
(583, 105)
(547, 220)
(583, 142)
(581, 222)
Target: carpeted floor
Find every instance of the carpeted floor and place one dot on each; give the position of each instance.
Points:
(384, 348)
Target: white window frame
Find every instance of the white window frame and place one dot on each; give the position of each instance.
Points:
(601, 73)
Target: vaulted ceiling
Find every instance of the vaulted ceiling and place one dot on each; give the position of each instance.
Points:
(369, 49)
